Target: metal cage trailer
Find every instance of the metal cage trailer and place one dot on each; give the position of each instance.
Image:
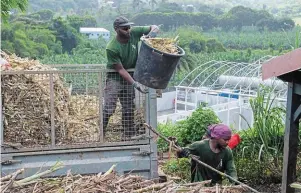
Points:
(80, 115)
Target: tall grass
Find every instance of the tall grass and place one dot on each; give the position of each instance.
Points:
(264, 139)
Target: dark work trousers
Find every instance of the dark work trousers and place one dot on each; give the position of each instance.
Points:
(115, 89)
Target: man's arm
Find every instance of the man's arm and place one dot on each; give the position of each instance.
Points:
(115, 63)
(192, 149)
(139, 31)
(230, 166)
(123, 73)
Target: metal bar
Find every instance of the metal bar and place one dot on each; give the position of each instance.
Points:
(195, 99)
(100, 107)
(176, 101)
(52, 110)
(1, 118)
(86, 83)
(52, 71)
(297, 113)
(77, 146)
(186, 99)
(240, 104)
(291, 141)
(73, 150)
(228, 113)
(152, 120)
(76, 65)
(187, 104)
(58, 71)
(203, 91)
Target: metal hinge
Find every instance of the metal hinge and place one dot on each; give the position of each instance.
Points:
(9, 161)
(142, 153)
(159, 93)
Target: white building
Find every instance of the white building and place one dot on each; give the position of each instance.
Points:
(95, 33)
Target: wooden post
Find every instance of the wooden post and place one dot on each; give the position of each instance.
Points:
(291, 137)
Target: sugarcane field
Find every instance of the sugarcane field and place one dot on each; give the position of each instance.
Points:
(149, 96)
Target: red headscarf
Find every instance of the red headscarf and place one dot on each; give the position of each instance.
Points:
(234, 141)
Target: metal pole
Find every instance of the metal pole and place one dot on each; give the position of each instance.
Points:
(176, 100)
(196, 99)
(52, 110)
(185, 99)
(100, 100)
(228, 114)
(1, 118)
(151, 119)
(239, 103)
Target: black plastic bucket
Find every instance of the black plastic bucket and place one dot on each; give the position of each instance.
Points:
(155, 68)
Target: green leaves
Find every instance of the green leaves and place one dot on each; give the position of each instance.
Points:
(193, 128)
(178, 168)
(189, 130)
(8, 5)
(263, 141)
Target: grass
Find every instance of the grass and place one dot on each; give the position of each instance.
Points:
(297, 20)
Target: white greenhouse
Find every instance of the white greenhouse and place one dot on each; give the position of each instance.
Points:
(225, 87)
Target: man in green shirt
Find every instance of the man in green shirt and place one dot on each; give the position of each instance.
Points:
(122, 53)
(214, 152)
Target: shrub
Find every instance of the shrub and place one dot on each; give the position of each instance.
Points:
(194, 127)
(178, 168)
(166, 130)
(256, 172)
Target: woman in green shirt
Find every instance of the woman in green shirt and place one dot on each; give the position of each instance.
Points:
(214, 152)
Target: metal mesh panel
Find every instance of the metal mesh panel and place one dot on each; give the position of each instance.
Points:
(68, 107)
(123, 109)
(82, 118)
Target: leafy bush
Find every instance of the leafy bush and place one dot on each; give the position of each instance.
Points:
(178, 168)
(189, 130)
(194, 127)
(167, 129)
(256, 172)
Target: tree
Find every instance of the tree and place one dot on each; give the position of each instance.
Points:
(66, 34)
(45, 14)
(168, 7)
(76, 21)
(137, 4)
(152, 4)
(8, 5)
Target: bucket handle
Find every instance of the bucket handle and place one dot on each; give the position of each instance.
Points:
(157, 54)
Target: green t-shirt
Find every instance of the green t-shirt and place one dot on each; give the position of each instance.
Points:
(125, 54)
(223, 161)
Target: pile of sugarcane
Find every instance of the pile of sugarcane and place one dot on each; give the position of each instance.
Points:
(165, 45)
(27, 108)
(103, 182)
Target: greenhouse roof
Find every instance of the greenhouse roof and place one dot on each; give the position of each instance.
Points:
(225, 75)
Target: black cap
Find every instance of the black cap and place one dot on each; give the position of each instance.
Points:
(121, 22)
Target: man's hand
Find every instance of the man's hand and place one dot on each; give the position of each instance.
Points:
(137, 86)
(154, 31)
